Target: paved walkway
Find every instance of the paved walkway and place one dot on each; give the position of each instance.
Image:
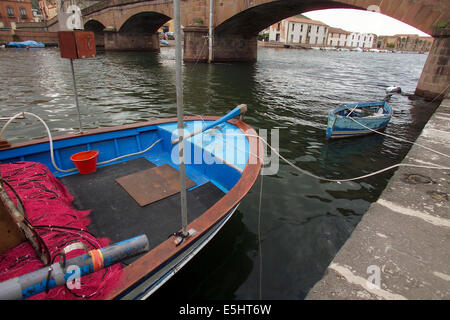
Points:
(401, 247)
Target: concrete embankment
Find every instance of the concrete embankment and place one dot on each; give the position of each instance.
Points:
(401, 247)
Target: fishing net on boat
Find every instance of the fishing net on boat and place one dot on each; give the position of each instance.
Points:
(48, 207)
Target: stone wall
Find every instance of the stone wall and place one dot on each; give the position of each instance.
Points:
(195, 44)
(116, 41)
(49, 38)
(435, 79)
(232, 47)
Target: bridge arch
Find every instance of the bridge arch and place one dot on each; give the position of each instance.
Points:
(256, 18)
(252, 15)
(97, 27)
(144, 22)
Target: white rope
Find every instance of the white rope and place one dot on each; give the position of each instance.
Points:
(400, 139)
(50, 140)
(340, 180)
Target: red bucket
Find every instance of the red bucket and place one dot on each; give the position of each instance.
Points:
(86, 161)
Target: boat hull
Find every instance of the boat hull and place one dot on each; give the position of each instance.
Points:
(158, 278)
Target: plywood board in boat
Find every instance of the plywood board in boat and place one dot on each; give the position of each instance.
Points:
(151, 185)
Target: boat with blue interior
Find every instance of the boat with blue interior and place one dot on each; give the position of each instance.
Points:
(358, 119)
(115, 212)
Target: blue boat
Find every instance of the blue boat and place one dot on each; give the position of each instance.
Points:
(358, 119)
(134, 189)
(26, 44)
(169, 184)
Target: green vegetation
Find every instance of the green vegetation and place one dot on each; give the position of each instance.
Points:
(442, 24)
(35, 4)
(198, 21)
(263, 37)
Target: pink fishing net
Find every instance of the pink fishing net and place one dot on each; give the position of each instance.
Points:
(47, 202)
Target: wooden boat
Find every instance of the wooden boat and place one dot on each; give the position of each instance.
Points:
(115, 190)
(358, 119)
(135, 180)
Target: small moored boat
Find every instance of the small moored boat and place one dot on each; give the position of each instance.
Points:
(26, 44)
(357, 119)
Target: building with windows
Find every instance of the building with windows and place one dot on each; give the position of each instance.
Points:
(360, 40)
(337, 37)
(412, 42)
(405, 42)
(299, 30)
(13, 11)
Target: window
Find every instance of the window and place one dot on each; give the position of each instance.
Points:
(10, 11)
(278, 27)
(23, 12)
(301, 28)
(293, 25)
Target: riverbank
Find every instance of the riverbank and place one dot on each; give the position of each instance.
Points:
(402, 243)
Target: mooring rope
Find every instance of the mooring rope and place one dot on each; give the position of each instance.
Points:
(404, 140)
(339, 180)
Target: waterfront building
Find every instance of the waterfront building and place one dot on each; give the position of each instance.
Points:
(360, 40)
(386, 42)
(405, 42)
(13, 11)
(299, 29)
(341, 38)
(412, 42)
(337, 37)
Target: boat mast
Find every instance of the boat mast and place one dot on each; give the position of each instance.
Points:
(180, 116)
(210, 31)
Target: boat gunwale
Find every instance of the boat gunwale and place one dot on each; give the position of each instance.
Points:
(154, 259)
(337, 109)
(158, 256)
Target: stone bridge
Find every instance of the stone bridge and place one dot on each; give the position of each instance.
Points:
(133, 25)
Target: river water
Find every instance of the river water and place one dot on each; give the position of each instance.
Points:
(304, 221)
